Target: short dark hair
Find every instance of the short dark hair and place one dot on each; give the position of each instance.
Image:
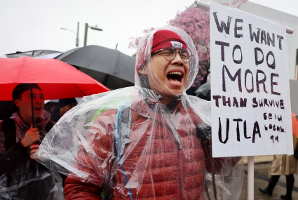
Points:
(18, 90)
(64, 102)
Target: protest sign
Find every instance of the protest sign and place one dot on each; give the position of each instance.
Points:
(250, 99)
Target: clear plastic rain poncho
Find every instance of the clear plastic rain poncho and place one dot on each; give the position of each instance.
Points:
(20, 176)
(150, 141)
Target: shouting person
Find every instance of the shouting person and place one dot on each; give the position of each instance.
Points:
(149, 141)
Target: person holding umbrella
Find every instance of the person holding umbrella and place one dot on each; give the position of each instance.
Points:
(149, 141)
(56, 80)
(21, 177)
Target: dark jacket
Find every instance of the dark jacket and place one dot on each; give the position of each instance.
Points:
(20, 176)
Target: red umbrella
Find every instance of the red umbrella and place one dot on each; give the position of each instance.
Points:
(58, 80)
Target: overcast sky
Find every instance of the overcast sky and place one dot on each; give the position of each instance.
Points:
(35, 24)
(287, 6)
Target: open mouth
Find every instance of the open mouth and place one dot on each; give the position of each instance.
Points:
(37, 108)
(175, 77)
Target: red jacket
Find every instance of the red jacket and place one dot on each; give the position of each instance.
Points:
(163, 157)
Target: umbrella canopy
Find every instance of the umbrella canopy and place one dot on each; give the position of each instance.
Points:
(108, 66)
(33, 53)
(6, 105)
(57, 79)
(204, 91)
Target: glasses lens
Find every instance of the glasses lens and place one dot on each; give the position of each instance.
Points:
(185, 54)
(168, 52)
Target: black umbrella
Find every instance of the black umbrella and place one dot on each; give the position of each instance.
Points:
(204, 91)
(108, 66)
(34, 53)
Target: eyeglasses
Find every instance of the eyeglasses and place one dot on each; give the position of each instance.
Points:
(169, 53)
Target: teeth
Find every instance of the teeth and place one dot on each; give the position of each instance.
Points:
(178, 73)
(176, 81)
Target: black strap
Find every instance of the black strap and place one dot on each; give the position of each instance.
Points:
(9, 131)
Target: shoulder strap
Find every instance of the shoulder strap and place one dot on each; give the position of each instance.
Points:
(9, 130)
(121, 117)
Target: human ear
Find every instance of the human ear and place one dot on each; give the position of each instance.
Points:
(17, 102)
(142, 69)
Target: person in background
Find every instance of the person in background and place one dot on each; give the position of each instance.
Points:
(64, 105)
(21, 177)
(50, 105)
(284, 165)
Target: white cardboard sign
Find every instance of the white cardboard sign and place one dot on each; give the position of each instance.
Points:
(250, 98)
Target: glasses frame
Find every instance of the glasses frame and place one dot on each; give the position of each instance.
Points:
(159, 52)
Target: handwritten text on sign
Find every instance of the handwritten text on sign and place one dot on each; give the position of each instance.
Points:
(250, 85)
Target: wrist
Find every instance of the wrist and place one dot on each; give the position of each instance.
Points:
(23, 144)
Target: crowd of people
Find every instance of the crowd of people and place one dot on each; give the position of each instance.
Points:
(149, 141)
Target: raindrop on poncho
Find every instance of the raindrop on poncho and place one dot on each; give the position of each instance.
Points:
(150, 141)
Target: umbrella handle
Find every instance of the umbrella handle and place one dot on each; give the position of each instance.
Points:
(32, 110)
(33, 123)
